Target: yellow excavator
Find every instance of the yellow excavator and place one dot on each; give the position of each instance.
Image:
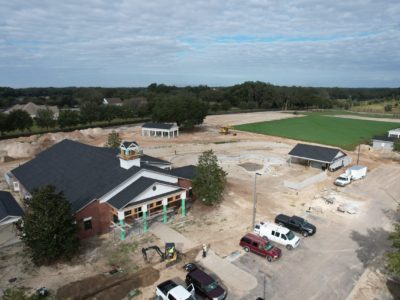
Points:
(170, 255)
(225, 129)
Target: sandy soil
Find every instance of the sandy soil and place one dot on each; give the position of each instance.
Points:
(240, 155)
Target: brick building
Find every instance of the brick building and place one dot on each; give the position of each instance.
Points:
(106, 187)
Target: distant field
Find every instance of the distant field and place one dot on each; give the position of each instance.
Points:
(343, 133)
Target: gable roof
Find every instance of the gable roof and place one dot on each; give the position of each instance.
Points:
(186, 172)
(9, 207)
(317, 153)
(159, 125)
(113, 100)
(136, 188)
(81, 171)
(385, 138)
(32, 108)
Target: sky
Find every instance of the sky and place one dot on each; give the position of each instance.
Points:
(353, 43)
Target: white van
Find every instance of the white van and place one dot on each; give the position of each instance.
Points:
(277, 234)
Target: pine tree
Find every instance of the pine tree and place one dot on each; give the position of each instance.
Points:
(209, 183)
(113, 141)
(48, 228)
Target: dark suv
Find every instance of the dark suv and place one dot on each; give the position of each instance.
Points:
(205, 285)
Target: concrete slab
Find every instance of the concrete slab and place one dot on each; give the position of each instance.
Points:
(167, 234)
(238, 281)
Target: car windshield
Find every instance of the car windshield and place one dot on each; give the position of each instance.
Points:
(268, 246)
(342, 178)
(211, 286)
(290, 235)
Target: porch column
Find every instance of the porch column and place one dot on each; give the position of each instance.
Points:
(144, 210)
(183, 198)
(165, 203)
(121, 218)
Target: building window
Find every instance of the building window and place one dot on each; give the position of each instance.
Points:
(87, 223)
(127, 213)
(154, 188)
(158, 203)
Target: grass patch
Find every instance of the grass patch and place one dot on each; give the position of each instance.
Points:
(339, 132)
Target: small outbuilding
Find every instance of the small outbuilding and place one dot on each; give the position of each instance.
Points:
(383, 142)
(319, 157)
(395, 133)
(10, 211)
(163, 130)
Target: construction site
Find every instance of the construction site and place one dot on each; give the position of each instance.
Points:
(349, 245)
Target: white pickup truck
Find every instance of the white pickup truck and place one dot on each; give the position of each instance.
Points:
(170, 290)
(277, 234)
(353, 173)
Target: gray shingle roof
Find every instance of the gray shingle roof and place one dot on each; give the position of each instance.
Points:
(158, 125)
(385, 138)
(81, 171)
(139, 186)
(114, 100)
(84, 172)
(316, 153)
(187, 172)
(9, 207)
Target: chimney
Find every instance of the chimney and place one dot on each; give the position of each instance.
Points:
(130, 155)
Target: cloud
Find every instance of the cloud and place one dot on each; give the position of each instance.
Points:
(127, 42)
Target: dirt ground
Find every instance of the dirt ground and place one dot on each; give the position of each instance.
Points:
(241, 155)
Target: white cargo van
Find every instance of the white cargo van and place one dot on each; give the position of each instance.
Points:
(277, 234)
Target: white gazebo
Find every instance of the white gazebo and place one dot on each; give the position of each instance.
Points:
(394, 133)
(163, 130)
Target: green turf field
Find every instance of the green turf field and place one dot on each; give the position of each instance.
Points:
(344, 133)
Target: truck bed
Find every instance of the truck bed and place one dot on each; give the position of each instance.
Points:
(282, 218)
(166, 286)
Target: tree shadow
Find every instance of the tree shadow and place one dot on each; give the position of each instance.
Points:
(372, 246)
(394, 288)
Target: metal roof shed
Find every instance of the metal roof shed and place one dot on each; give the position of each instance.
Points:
(319, 157)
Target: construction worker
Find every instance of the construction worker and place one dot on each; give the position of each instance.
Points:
(204, 250)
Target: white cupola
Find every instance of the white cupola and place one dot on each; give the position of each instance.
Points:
(130, 155)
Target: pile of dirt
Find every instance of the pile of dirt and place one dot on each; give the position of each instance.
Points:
(19, 149)
(116, 286)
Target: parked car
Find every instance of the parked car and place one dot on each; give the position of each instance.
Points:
(296, 223)
(277, 234)
(205, 286)
(260, 246)
(351, 174)
(171, 290)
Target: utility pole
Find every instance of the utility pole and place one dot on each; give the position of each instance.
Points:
(255, 199)
(358, 152)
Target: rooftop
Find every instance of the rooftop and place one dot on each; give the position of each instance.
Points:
(81, 171)
(159, 125)
(9, 207)
(317, 153)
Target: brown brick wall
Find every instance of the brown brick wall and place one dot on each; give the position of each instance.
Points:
(101, 214)
(185, 183)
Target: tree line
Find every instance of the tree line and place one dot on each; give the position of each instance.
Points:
(187, 106)
(248, 95)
